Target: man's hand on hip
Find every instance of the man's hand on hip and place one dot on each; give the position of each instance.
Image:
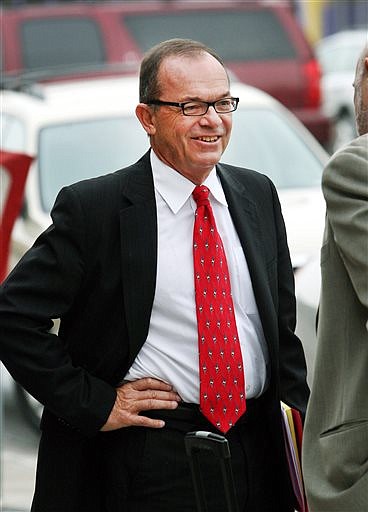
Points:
(140, 395)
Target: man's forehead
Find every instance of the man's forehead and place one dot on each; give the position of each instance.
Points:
(177, 63)
(210, 76)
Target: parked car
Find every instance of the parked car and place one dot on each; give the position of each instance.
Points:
(261, 43)
(338, 55)
(79, 129)
(307, 290)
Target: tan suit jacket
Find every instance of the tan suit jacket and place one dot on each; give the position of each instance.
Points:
(335, 448)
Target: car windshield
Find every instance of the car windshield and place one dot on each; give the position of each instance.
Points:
(264, 140)
(73, 152)
(261, 140)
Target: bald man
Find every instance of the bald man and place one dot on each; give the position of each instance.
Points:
(335, 449)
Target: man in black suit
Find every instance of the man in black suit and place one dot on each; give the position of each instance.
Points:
(120, 381)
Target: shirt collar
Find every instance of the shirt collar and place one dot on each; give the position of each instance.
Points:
(175, 189)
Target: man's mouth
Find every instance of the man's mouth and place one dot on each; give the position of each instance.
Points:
(208, 139)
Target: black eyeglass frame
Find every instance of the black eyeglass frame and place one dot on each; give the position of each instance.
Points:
(208, 103)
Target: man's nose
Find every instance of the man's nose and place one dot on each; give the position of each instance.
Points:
(211, 116)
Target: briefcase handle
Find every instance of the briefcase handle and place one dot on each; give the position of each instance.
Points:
(218, 445)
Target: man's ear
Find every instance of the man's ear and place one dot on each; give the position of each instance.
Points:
(146, 116)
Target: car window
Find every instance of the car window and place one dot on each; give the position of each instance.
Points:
(233, 34)
(12, 133)
(4, 189)
(59, 42)
(263, 140)
(73, 152)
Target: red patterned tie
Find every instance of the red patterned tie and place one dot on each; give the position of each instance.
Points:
(222, 390)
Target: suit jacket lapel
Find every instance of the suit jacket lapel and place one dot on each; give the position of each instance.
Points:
(138, 235)
(244, 213)
(246, 218)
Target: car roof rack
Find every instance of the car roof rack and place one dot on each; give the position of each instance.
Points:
(21, 83)
(29, 80)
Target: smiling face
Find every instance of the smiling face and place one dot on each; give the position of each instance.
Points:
(190, 144)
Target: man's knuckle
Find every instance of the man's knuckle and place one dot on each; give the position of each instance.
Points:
(151, 403)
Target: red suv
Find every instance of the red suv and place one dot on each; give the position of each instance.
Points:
(261, 43)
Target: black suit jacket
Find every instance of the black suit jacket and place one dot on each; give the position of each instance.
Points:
(95, 268)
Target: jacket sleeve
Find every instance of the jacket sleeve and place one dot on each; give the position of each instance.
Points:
(345, 187)
(42, 287)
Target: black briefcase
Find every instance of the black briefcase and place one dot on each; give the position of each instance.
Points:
(218, 446)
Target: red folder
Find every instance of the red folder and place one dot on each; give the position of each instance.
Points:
(293, 434)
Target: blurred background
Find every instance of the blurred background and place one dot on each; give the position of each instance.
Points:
(68, 93)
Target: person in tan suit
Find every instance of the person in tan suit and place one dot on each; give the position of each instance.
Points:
(335, 448)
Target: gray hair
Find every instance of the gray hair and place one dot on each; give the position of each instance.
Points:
(149, 86)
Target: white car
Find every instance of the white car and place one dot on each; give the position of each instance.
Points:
(338, 55)
(82, 129)
(307, 291)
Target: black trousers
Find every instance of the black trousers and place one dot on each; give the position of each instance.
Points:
(146, 470)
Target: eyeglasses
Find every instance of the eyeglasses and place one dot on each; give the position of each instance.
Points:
(200, 108)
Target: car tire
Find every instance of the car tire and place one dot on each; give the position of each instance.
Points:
(30, 408)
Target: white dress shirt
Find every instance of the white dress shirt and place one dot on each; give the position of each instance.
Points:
(170, 352)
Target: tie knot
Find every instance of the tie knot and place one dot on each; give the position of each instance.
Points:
(200, 195)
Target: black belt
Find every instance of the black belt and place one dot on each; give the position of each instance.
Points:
(188, 417)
